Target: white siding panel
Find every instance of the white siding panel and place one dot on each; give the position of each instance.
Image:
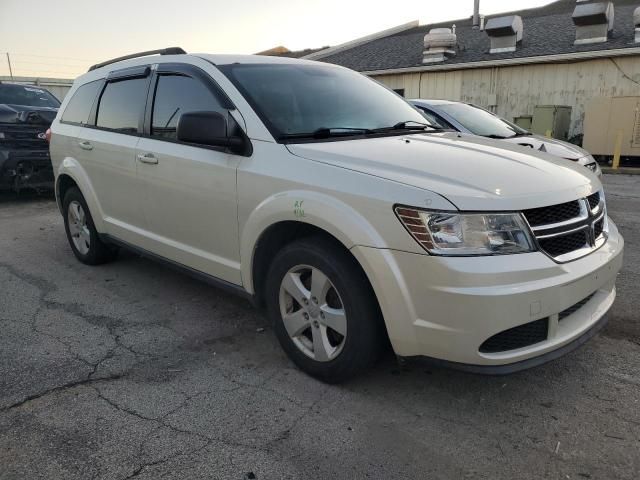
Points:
(521, 88)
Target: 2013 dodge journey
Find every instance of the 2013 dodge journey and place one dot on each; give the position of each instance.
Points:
(329, 200)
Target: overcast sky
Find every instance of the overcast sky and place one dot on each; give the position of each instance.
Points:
(60, 38)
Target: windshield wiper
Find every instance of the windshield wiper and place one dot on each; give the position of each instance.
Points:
(502, 137)
(354, 131)
(410, 125)
(524, 134)
(497, 137)
(327, 133)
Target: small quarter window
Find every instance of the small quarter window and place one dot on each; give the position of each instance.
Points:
(79, 107)
(175, 95)
(434, 119)
(122, 104)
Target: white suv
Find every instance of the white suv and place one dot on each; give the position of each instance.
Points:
(323, 196)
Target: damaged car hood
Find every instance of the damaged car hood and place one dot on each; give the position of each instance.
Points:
(474, 173)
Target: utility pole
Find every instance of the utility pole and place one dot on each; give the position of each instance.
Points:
(9, 62)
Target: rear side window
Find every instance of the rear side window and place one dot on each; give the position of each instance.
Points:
(175, 95)
(79, 106)
(122, 104)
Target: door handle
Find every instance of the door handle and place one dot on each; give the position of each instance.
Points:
(147, 158)
(85, 145)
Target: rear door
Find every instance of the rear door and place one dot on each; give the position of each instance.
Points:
(189, 190)
(109, 150)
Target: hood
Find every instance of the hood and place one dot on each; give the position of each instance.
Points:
(26, 114)
(474, 173)
(554, 147)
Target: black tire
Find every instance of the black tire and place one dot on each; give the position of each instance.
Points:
(365, 335)
(98, 251)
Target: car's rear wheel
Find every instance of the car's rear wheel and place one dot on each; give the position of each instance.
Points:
(81, 231)
(325, 313)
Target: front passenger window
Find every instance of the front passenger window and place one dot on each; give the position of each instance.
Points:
(175, 95)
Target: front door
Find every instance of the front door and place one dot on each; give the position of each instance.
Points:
(189, 191)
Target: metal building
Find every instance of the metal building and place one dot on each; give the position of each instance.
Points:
(561, 55)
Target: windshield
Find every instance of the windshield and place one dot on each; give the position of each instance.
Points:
(27, 96)
(480, 122)
(299, 99)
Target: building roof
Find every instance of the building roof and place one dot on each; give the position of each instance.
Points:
(548, 30)
(285, 52)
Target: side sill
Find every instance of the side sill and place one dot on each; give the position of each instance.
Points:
(204, 277)
(499, 370)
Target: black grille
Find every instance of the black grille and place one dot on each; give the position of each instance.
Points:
(571, 310)
(557, 246)
(598, 228)
(518, 337)
(594, 200)
(24, 136)
(553, 214)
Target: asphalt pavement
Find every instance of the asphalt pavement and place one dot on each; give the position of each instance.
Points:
(132, 370)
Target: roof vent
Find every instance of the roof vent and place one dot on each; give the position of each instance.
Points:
(636, 22)
(439, 44)
(593, 22)
(505, 33)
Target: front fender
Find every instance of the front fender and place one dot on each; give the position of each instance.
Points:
(314, 208)
(72, 168)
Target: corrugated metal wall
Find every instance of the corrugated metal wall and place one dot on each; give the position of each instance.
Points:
(520, 88)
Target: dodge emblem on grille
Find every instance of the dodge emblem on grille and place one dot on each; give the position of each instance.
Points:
(571, 230)
(42, 136)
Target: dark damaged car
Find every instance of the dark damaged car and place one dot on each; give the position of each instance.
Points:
(26, 112)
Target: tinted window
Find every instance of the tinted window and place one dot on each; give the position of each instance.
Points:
(176, 95)
(122, 104)
(27, 95)
(298, 99)
(434, 119)
(480, 122)
(79, 107)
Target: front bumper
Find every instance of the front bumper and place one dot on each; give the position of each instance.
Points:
(446, 308)
(25, 168)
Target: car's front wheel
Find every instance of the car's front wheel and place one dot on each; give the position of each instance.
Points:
(81, 231)
(325, 313)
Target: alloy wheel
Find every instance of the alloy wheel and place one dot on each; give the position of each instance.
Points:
(78, 228)
(313, 313)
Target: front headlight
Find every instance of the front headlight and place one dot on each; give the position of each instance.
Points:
(443, 233)
(592, 165)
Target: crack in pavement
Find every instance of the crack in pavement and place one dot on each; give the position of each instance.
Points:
(162, 423)
(44, 288)
(58, 388)
(286, 433)
(112, 325)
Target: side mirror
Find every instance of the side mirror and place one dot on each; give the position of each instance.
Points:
(206, 128)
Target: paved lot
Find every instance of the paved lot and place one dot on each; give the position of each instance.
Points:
(133, 370)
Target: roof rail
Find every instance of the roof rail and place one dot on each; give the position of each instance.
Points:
(162, 51)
